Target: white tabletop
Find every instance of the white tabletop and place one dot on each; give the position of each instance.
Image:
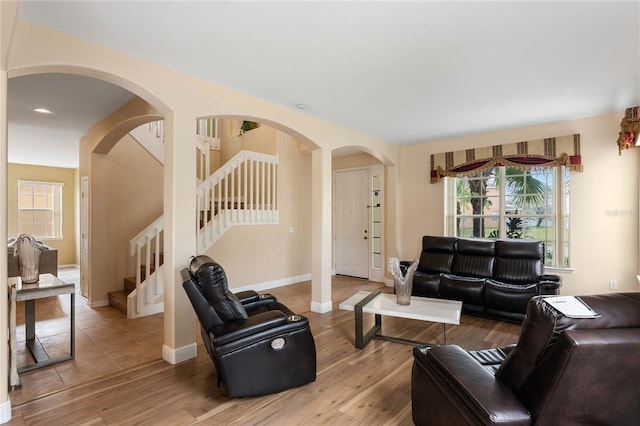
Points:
(420, 308)
(47, 286)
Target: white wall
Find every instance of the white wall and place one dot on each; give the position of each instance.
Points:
(604, 200)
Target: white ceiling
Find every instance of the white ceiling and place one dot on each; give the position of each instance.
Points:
(76, 103)
(405, 72)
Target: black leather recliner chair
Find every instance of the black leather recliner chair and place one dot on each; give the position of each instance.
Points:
(257, 344)
(563, 371)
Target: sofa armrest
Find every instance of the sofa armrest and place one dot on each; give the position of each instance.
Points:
(460, 380)
(548, 286)
(550, 277)
(404, 266)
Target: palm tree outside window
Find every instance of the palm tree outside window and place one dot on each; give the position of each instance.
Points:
(507, 202)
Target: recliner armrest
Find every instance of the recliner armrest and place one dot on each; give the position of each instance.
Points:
(254, 324)
(259, 326)
(247, 296)
(463, 380)
(255, 300)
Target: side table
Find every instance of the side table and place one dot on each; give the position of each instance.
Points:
(48, 286)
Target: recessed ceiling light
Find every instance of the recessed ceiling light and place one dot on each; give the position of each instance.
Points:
(42, 110)
(301, 106)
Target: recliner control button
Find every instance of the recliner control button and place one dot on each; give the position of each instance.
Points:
(278, 343)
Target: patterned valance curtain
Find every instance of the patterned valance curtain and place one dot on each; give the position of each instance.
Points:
(563, 150)
(629, 129)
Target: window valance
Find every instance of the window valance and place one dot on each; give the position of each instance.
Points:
(629, 129)
(563, 150)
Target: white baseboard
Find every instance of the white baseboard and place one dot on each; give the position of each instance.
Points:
(5, 411)
(273, 284)
(175, 356)
(321, 308)
(70, 265)
(315, 306)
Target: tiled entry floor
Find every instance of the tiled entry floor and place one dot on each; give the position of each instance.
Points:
(106, 342)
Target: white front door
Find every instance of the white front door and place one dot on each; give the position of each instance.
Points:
(351, 222)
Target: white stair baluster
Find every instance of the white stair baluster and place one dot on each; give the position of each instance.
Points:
(157, 261)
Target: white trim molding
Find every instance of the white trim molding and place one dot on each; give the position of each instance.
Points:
(321, 308)
(274, 284)
(5, 411)
(175, 356)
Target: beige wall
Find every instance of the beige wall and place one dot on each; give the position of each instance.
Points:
(604, 200)
(259, 140)
(126, 197)
(67, 245)
(265, 253)
(125, 194)
(361, 159)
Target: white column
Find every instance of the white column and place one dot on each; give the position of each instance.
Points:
(321, 232)
(179, 235)
(8, 18)
(5, 404)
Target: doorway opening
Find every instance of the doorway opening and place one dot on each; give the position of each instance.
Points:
(358, 222)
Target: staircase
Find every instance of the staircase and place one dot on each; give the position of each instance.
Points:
(241, 192)
(144, 294)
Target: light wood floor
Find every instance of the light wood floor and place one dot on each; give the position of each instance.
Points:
(356, 387)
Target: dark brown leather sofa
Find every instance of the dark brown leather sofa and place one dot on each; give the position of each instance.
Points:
(492, 278)
(562, 371)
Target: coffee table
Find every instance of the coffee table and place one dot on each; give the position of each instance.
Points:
(420, 308)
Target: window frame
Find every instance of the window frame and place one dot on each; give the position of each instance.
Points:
(55, 191)
(560, 200)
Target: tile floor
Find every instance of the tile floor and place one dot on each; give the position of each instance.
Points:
(106, 342)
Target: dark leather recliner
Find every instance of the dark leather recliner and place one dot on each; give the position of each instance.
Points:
(257, 344)
(562, 371)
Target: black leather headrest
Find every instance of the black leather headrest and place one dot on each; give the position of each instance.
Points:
(210, 276)
(520, 249)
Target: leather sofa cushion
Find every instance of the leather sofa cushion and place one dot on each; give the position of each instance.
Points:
(474, 258)
(508, 297)
(437, 254)
(491, 358)
(519, 261)
(425, 284)
(466, 289)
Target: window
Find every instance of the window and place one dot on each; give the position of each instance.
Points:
(40, 209)
(506, 202)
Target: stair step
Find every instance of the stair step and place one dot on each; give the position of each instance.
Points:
(118, 301)
(129, 284)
